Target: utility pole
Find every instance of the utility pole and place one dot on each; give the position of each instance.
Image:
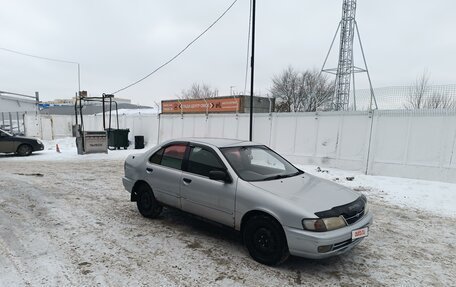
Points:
(252, 68)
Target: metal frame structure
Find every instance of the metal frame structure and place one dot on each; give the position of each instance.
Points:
(78, 110)
(346, 69)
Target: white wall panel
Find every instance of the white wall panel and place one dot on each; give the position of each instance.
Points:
(262, 129)
(201, 126)
(216, 125)
(328, 136)
(230, 126)
(390, 139)
(354, 136)
(283, 133)
(416, 144)
(243, 127)
(306, 135)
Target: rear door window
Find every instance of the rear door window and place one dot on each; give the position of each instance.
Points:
(157, 157)
(173, 156)
(170, 156)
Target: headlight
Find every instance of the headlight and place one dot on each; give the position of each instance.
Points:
(366, 207)
(324, 224)
(39, 142)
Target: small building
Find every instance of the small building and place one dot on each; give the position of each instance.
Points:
(70, 102)
(66, 106)
(89, 109)
(229, 104)
(13, 107)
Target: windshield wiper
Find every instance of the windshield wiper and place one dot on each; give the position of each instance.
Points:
(279, 176)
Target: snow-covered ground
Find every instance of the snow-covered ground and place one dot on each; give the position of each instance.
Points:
(66, 221)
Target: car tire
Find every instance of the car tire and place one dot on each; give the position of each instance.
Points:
(265, 240)
(24, 150)
(148, 206)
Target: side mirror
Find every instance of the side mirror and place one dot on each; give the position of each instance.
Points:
(219, 175)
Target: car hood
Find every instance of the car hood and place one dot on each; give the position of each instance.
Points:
(309, 192)
(25, 138)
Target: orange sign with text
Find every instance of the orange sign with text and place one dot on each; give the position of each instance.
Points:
(201, 106)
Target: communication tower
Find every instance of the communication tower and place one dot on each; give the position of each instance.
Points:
(346, 69)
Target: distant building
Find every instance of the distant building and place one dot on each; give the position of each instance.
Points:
(59, 102)
(66, 106)
(13, 107)
(88, 109)
(64, 102)
(229, 104)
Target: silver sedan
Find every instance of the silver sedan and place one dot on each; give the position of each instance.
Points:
(279, 209)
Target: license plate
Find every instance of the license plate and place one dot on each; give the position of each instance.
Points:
(360, 233)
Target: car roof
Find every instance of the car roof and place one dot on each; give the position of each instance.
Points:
(219, 142)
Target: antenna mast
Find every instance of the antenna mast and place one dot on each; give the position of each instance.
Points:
(346, 69)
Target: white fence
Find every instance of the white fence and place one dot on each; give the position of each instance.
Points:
(416, 144)
(50, 127)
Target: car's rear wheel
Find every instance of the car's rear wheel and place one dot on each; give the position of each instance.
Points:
(265, 240)
(148, 206)
(24, 149)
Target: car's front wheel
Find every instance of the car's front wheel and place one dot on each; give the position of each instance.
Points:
(265, 240)
(148, 206)
(24, 149)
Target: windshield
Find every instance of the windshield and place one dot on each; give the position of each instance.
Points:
(257, 163)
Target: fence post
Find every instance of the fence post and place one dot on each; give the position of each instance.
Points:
(18, 123)
(158, 130)
(52, 128)
(270, 128)
(369, 144)
(10, 122)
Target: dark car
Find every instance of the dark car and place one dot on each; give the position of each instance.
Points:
(19, 145)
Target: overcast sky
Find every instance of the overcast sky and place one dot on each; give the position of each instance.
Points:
(118, 42)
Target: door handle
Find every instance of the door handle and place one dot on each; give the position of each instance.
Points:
(149, 170)
(187, 180)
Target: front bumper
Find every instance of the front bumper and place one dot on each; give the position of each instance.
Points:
(128, 184)
(38, 147)
(305, 243)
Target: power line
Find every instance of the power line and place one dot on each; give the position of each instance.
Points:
(248, 50)
(180, 52)
(37, 57)
(48, 59)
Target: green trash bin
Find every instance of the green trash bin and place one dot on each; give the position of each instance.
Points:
(118, 138)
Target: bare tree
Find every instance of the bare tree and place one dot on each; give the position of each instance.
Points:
(439, 101)
(301, 92)
(416, 97)
(284, 90)
(420, 97)
(317, 90)
(199, 91)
